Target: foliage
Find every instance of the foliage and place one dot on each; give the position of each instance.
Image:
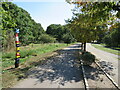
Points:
(88, 58)
(24, 53)
(107, 40)
(44, 38)
(61, 33)
(14, 17)
(68, 38)
(113, 37)
(90, 20)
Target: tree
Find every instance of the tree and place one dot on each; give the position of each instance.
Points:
(68, 38)
(45, 38)
(7, 27)
(112, 39)
(82, 30)
(88, 16)
(61, 33)
(14, 17)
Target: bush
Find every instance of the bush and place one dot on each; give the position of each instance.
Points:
(44, 38)
(68, 38)
(88, 58)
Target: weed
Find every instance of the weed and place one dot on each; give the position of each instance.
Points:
(8, 55)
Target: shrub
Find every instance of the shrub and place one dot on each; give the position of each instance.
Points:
(68, 38)
(44, 38)
(88, 58)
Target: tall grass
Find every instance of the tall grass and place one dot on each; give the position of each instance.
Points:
(26, 52)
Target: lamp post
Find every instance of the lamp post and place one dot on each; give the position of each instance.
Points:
(17, 49)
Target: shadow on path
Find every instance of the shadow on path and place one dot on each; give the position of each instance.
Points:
(62, 68)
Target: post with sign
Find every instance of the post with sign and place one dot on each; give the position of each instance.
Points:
(17, 49)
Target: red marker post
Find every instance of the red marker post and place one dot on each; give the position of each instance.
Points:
(17, 49)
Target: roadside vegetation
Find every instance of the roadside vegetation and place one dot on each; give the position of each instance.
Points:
(87, 58)
(114, 50)
(32, 35)
(110, 40)
(28, 52)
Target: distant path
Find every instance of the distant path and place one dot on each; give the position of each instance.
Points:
(108, 61)
(61, 71)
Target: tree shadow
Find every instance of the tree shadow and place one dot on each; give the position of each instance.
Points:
(92, 72)
(110, 47)
(62, 68)
(107, 66)
(114, 48)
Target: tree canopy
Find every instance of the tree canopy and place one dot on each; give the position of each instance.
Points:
(90, 19)
(61, 33)
(14, 17)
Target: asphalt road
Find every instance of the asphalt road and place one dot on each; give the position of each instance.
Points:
(108, 61)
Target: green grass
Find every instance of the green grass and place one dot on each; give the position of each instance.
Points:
(102, 47)
(8, 58)
(32, 55)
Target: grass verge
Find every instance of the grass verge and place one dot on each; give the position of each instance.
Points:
(102, 47)
(27, 52)
(38, 54)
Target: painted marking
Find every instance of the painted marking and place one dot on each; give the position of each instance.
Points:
(17, 42)
(17, 48)
(17, 39)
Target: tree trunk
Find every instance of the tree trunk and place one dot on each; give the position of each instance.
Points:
(84, 46)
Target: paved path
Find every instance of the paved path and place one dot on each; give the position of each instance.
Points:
(61, 71)
(108, 61)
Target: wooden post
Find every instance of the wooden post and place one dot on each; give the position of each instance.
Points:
(17, 49)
